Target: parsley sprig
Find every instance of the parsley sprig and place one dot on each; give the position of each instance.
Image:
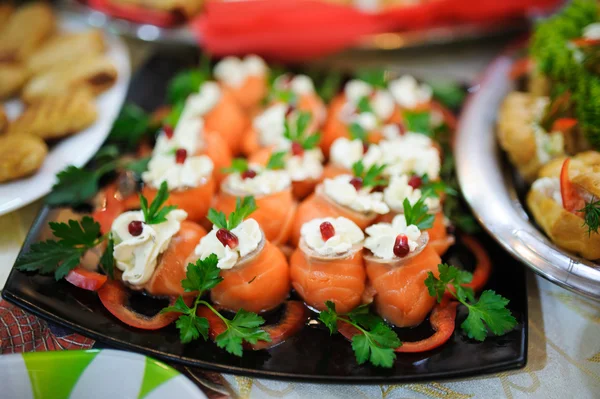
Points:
(375, 77)
(489, 313)
(243, 208)
(298, 132)
(433, 188)
(201, 277)
(364, 105)
(418, 214)
(357, 132)
(371, 177)
(157, 213)
(238, 165)
(276, 160)
(418, 122)
(62, 255)
(591, 216)
(376, 341)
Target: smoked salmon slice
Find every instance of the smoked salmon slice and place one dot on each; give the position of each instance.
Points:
(216, 148)
(317, 279)
(258, 284)
(250, 94)
(229, 120)
(401, 296)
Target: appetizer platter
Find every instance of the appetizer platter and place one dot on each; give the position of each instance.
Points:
(548, 213)
(252, 215)
(55, 112)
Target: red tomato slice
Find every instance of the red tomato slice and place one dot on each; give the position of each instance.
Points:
(442, 321)
(563, 124)
(86, 279)
(114, 298)
(520, 68)
(572, 201)
(292, 321)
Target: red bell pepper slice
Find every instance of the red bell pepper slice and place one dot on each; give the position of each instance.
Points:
(442, 321)
(112, 206)
(563, 124)
(292, 321)
(113, 296)
(585, 42)
(572, 201)
(483, 266)
(86, 279)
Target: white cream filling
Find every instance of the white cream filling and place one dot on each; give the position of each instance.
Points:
(398, 190)
(270, 125)
(382, 237)
(391, 132)
(592, 31)
(249, 236)
(345, 152)
(202, 103)
(342, 192)
(411, 153)
(234, 71)
(187, 135)
(265, 182)
(137, 256)
(550, 187)
(193, 172)
(306, 166)
(300, 85)
(347, 234)
(408, 93)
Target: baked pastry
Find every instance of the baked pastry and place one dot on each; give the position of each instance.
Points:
(12, 78)
(3, 120)
(26, 29)
(20, 155)
(527, 144)
(6, 11)
(567, 229)
(65, 48)
(56, 116)
(95, 72)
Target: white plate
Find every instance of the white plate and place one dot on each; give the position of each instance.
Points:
(77, 149)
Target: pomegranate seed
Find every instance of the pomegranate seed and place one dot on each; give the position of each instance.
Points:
(290, 110)
(327, 231)
(180, 155)
(365, 147)
(401, 248)
(401, 128)
(168, 131)
(227, 238)
(415, 182)
(249, 174)
(297, 149)
(357, 183)
(135, 228)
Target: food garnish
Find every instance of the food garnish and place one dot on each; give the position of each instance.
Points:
(377, 341)
(375, 77)
(238, 165)
(364, 105)
(591, 216)
(244, 327)
(298, 133)
(418, 122)
(243, 208)
(489, 313)
(131, 126)
(276, 160)
(157, 213)
(371, 177)
(357, 132)
(432, 188)
(418, 214)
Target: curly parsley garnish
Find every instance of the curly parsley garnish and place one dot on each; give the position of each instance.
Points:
(489, 313)
(371, 177)
(298, 132)
(418, 214)
(157, 213)
(376, 341)
(243, 208)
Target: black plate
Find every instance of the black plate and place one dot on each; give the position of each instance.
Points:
(311, 355)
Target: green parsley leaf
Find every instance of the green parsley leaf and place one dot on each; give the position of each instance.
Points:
(328, 87)
(357, 132)
(217, 218)
(238, 165)
(77, 234)
(448, 93)
(364, 105)
(157, 213)
(190, 328)
(138, 166)
(417, 214)
(276, 160)
(107, 153)
(107, 260)
(184, 84)
(433, 188)
(375, 77)
(298, 131)
(174, 115)
(418, 122)
(243, 208)
(372, 177)
(591, 216)
(130, 127)
(203, 275)
(74, 186)
(243, 327)
(329, 317)
(311, 141)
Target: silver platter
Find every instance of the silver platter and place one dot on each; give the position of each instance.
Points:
(489, 188)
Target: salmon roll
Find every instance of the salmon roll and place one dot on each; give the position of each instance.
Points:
(361, 110)
(345, 152)
(291, 96)
(255, 272)
(154, 257)
(398, 260)
(245, 79)
(348, 196)
(328, 264)
(272, 190)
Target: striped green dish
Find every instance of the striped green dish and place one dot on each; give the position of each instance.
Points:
(91, 374)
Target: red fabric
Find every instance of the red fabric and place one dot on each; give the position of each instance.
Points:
(302, 29)
(23, 332)
(135, 13)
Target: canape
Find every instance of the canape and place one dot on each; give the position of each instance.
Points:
(328, 264)
(245, 79)
(272, 190)
(398, 260)
(255, 272)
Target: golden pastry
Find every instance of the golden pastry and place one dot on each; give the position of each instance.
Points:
(96, 73)
(26, 29)
(527, 144)
(6, 11)
(565, 228)
(65, 48)
(12, 79)
(57, 116)
(3, 120)
(20, 155)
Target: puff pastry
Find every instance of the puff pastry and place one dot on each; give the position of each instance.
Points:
(6, 11)
(12, 78)
(26, 29)
(64, 49)
(20, 156)
(57, 116)
(96, 73)
(3, 120)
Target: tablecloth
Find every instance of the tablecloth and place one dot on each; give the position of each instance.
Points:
(563, 359)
